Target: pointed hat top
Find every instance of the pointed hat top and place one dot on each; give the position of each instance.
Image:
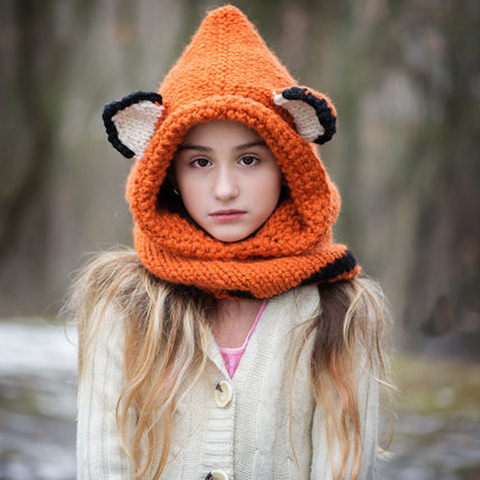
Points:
(226, 56)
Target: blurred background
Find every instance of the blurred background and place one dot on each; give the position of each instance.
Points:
(405, 78)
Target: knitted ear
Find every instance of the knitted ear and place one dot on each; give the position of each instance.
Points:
(314, 115)
(130, 122)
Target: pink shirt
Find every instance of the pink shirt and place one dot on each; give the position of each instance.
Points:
(232, 356)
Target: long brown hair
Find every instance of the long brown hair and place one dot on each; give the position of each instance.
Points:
(350, 336)
(166, 337)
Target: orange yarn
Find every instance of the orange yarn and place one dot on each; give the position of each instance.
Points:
(228, 73)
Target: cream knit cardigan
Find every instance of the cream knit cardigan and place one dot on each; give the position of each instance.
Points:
(242, 433)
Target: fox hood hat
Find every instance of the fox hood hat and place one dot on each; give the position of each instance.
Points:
(228, 73)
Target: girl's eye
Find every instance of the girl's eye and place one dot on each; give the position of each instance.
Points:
(200, 162)
(249, 160)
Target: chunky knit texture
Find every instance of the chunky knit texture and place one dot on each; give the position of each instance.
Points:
(228, 73)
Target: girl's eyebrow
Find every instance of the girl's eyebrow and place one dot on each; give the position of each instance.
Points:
(243, 146)
(194, 147)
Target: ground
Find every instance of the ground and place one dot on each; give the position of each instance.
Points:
(437, 431)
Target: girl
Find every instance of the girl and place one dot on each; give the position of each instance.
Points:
(236, 340)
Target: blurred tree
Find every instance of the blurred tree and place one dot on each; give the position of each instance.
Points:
(439, 47)
(42, 52)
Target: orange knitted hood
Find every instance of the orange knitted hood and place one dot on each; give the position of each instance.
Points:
(228, 73)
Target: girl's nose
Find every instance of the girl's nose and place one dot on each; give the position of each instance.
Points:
(226, 185)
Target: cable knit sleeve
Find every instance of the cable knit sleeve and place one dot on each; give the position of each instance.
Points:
(99, 453)
(368, 409)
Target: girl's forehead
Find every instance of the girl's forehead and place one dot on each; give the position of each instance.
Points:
(219, 131)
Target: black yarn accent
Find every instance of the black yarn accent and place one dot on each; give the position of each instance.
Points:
(112, 108)
(324, 113)
(241, 294)
(346, 263)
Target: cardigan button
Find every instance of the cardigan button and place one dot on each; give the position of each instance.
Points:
(217, 475)
(223, 394)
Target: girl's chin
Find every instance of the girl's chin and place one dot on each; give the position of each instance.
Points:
(232, 232)
(229, 237)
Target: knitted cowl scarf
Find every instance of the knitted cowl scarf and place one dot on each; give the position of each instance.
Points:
(228, 73)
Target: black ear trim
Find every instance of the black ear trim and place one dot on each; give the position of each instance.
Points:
(324, 113)
(112, 108)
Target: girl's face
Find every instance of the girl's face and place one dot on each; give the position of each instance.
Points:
(228, 179)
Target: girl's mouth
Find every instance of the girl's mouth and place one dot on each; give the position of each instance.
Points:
(227, 215)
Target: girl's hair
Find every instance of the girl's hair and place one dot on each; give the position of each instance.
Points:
(350, 339)
(166, 338)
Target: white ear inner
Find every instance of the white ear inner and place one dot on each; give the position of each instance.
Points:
(306, 120)
(136, 125)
